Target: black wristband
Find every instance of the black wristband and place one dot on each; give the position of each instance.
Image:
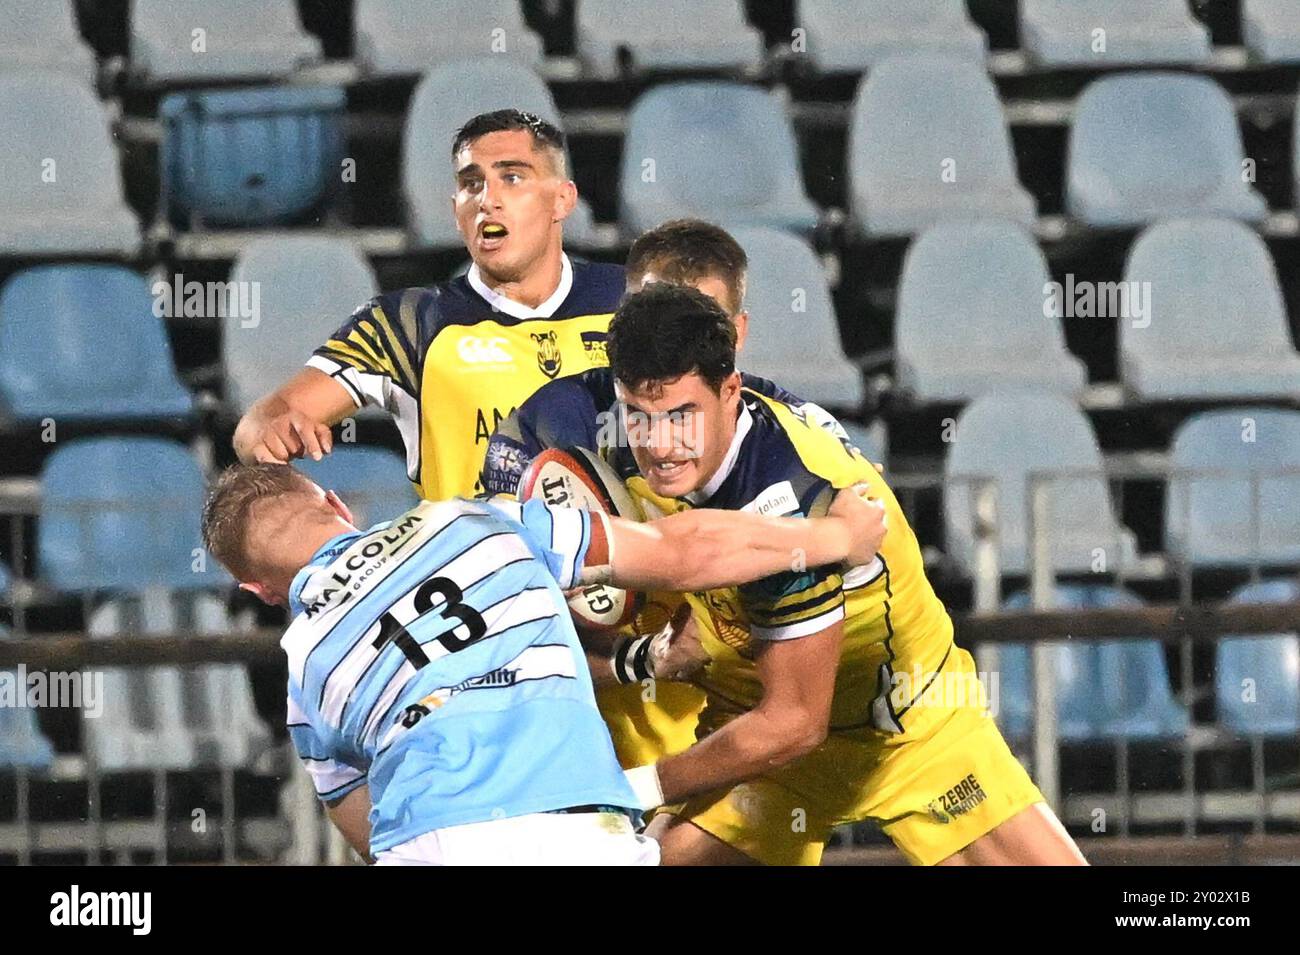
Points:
(631, 661)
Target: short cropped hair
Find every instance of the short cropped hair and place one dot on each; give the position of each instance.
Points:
(685, 251)
(228, 507)
(666, 331)
(546, 136)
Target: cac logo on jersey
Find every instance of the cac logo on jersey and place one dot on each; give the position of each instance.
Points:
(474, 350)
(548, 353)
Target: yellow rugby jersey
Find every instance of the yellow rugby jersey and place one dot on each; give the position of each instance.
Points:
(451, 361)
(784, 462)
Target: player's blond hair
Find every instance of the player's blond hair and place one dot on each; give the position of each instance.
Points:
(229, 507)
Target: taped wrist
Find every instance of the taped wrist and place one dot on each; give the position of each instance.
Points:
(631, 660)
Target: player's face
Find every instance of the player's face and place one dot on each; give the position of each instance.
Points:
(679, 430)
(509, 203)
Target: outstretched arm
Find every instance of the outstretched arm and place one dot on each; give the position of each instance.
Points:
(704, 549)
(294, 420)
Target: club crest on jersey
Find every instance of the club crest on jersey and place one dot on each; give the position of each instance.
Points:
(549, 359)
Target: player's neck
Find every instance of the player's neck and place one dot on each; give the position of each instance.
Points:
(534, 288)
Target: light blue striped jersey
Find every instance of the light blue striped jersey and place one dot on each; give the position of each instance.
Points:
(433, 658)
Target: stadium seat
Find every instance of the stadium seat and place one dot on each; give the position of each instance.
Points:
(673, 159)
(852, 35)
(928, 143)
(1147, 146)
(1113, 689)
(1271, 29)
(1208, 515)
(1217, 327)
(169, 717)
(371, 481)
(395, 37)
(42, 35)
(122, 514)
(1007, 436)
(4, 580)
(308, 286)
(60, 187)
(667, 35)
(970, 316)
(82, 342)
(1110, 32)
(1257, 678)
(793, 337)
(22, 744)
(446, 98)
(250, 157)
(201, 40)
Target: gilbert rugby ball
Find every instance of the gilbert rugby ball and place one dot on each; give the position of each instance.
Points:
(579, 478)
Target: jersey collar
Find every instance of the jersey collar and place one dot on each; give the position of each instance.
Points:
(744, 421)
(516, 309)
(326, 553)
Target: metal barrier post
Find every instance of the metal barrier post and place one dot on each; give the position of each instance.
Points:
(1041, 580)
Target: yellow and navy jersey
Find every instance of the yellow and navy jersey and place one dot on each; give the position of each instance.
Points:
(784, 462)
(451, 361)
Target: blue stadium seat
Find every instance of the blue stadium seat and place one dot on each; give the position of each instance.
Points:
(1208, 516)
(447, 97)
(1147, 146)
(1218, 326)
(852, 35)
(240, 38)
(395, 37)
(669, 34)
(793, 337)
(60, 187)
(371, 481)
(42, 35)
(1065, 32)
(1269, 704)
(22, 744)
(927, 143)
(308, 285)
(4, 580)
(676, 134)
(1271, 29)
(862, 439)
(82, 342)
(1107, 689)
(992, 275)
(122, 514)
(250, 157)
(1007, 436)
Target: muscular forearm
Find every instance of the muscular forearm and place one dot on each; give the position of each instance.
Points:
(750, 745)
(722, 548)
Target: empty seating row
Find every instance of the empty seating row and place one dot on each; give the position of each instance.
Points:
(1121, 689)
(927, 143)
(1232, 496)
(1200, 314)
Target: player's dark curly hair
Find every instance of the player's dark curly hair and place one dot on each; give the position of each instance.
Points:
(666, 331)
(545, 135)
(685, 251)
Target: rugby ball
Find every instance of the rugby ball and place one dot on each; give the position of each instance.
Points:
(579, 478)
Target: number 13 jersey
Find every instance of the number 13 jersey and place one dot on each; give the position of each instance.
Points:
(432, 658)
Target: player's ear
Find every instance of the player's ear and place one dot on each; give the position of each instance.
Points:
(730, 390)
(339, 508)
(741, 321)
(261, 592)
(566, 200)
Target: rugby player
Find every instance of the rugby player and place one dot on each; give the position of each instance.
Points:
(451, 360)
(580, 411)
(438, 694)
(808, 724)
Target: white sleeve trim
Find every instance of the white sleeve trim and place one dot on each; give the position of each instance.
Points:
(803, 628)
(365, 389)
